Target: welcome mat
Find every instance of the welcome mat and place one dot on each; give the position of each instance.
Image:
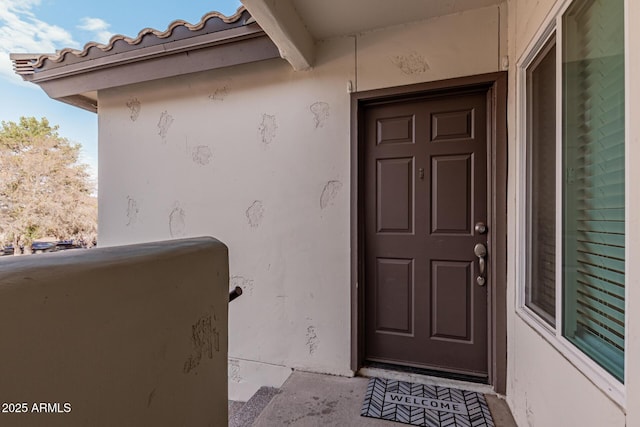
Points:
(425, 405)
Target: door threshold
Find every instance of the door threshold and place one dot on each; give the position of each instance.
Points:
(413, 377)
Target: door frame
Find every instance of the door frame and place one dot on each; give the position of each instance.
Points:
(495, 85)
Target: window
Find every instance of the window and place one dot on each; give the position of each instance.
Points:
(575, 187)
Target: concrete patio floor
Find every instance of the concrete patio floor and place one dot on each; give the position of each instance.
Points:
(309, 400)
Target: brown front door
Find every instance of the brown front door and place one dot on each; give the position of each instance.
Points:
(425, 190)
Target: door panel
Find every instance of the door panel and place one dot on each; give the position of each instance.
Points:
(452, 125)
(451, 300)
(394, 198)
(425, 166)
(451, 194)
(394, 295)
(396, 130)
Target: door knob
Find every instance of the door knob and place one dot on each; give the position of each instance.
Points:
(481, 252)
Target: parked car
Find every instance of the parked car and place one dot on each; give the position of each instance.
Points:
(40, 247)
(64, 245)
(36, 247)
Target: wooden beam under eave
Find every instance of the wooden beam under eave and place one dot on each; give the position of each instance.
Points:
(281, 22)
(81, 101)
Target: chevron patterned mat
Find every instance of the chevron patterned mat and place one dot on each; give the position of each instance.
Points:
(425, 405)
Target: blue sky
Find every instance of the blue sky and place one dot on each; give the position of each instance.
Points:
(42, 26)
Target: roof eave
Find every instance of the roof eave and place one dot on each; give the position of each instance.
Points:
(81, 101)
(70, 76)
(230, 37)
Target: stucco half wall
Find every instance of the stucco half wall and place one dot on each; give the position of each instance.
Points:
(259, 155)
(119, 336)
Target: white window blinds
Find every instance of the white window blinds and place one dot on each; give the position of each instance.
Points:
(593, 181)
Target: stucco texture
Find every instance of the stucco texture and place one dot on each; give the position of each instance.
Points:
(116, 336)
(552, 385)
(259, 156)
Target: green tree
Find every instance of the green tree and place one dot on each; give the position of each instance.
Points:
(44, 191)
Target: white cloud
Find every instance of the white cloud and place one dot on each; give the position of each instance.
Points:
(98, 27)
(93, 24)
(21, 31)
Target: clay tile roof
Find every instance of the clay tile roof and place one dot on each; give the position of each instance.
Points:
(178, 29)
(23, 63)
(216, 41)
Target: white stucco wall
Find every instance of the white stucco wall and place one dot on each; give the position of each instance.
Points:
(258, 156)
(441, 48)
(546, 388)
(243, 159)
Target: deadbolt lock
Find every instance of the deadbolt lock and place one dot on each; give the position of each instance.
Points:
(481, 228)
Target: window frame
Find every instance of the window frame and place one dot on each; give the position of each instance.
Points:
(535, 60)
(552, 27)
